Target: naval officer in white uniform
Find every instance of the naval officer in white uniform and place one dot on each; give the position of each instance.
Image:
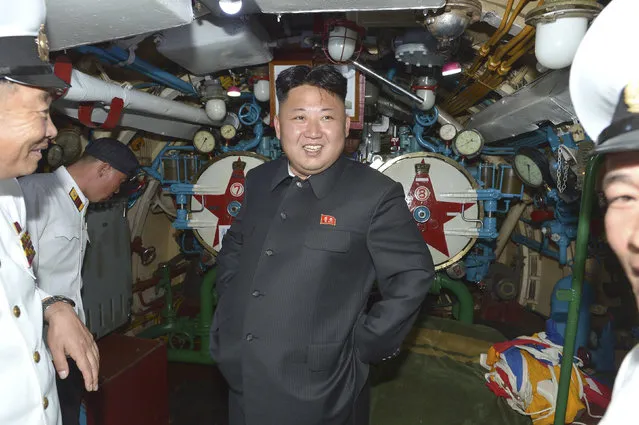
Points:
(28, 394)
(56, 208)
(604, 88)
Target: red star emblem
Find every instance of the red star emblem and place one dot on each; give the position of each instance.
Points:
(227, 205)
(431, 214)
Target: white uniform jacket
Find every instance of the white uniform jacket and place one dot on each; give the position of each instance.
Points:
(56, 209)
(28, 393)
(623, 405)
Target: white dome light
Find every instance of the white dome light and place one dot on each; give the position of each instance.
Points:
(560, 27)
(341, 43)
(215, 109)
(556, 42)
(429, 99)
(262, 90)
(231, 7)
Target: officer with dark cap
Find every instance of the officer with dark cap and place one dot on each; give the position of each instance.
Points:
(27, 388)
(604, 88)
(56, 208)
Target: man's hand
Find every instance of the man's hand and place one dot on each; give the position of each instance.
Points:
(68, 336)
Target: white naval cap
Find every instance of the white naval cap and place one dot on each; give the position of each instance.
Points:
(604, 77)
(24, 50)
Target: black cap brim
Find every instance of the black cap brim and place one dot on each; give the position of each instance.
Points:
(622, 135)
(43, 81)
(22, 64)
(624, 142)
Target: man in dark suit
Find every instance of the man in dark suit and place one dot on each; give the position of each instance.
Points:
(291, 333)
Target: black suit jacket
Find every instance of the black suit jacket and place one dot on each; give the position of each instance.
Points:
(290, 333)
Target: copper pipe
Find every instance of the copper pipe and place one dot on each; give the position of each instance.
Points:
(485, 49)
(504, 28)
(520, 42)
(486, 83)
(469, 95)
(472, 95)
(511, 60)
(514, 42)
(513, 16)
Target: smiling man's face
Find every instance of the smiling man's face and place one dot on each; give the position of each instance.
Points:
(312, 126)
(25, 128)
(621, 188)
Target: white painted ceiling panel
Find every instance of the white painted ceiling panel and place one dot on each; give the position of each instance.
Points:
(72, 23)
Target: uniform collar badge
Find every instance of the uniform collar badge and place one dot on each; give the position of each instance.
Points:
(27, 244)
(328, 220)
(76, 199)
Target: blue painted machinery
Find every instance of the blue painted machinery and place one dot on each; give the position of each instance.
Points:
(558, 226)
(500, 187)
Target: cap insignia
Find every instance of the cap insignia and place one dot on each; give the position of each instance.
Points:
(43, 44)
(631, 96)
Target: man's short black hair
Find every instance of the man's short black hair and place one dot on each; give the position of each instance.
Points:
(325, 77)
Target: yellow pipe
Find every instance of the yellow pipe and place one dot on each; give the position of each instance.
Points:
(485, 49)
(496, 69)
(458, 96)
(505, 67)
(469, 93)
(514, 43)
(514, 15)
(475, 93)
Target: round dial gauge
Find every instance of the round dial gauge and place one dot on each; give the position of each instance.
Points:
(531, 166)
(55, 155)
(204, 141)
(228, 131)
(468, 143)
(69, 140)
(447, 132)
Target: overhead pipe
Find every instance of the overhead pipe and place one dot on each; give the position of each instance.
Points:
(392, 109)
(380, 78)
(115, 55)
(445, 118)
(85, 88)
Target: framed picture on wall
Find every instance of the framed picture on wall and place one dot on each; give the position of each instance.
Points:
(355, 90)
(274, 69)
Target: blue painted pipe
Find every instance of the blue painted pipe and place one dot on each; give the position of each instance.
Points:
(115, 55)
(247, 145)
(418, 132)
(153, 71)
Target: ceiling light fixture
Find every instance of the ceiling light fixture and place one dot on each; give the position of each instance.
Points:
(451, 68)
(233, 91)
(342, 40)
(231, 7)
(560, 27)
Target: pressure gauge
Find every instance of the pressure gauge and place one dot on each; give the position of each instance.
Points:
(69, 139)
(447, 132)
(468, 143)
(204, 141)
(55, 155)
(531, 165)
(228, 131)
